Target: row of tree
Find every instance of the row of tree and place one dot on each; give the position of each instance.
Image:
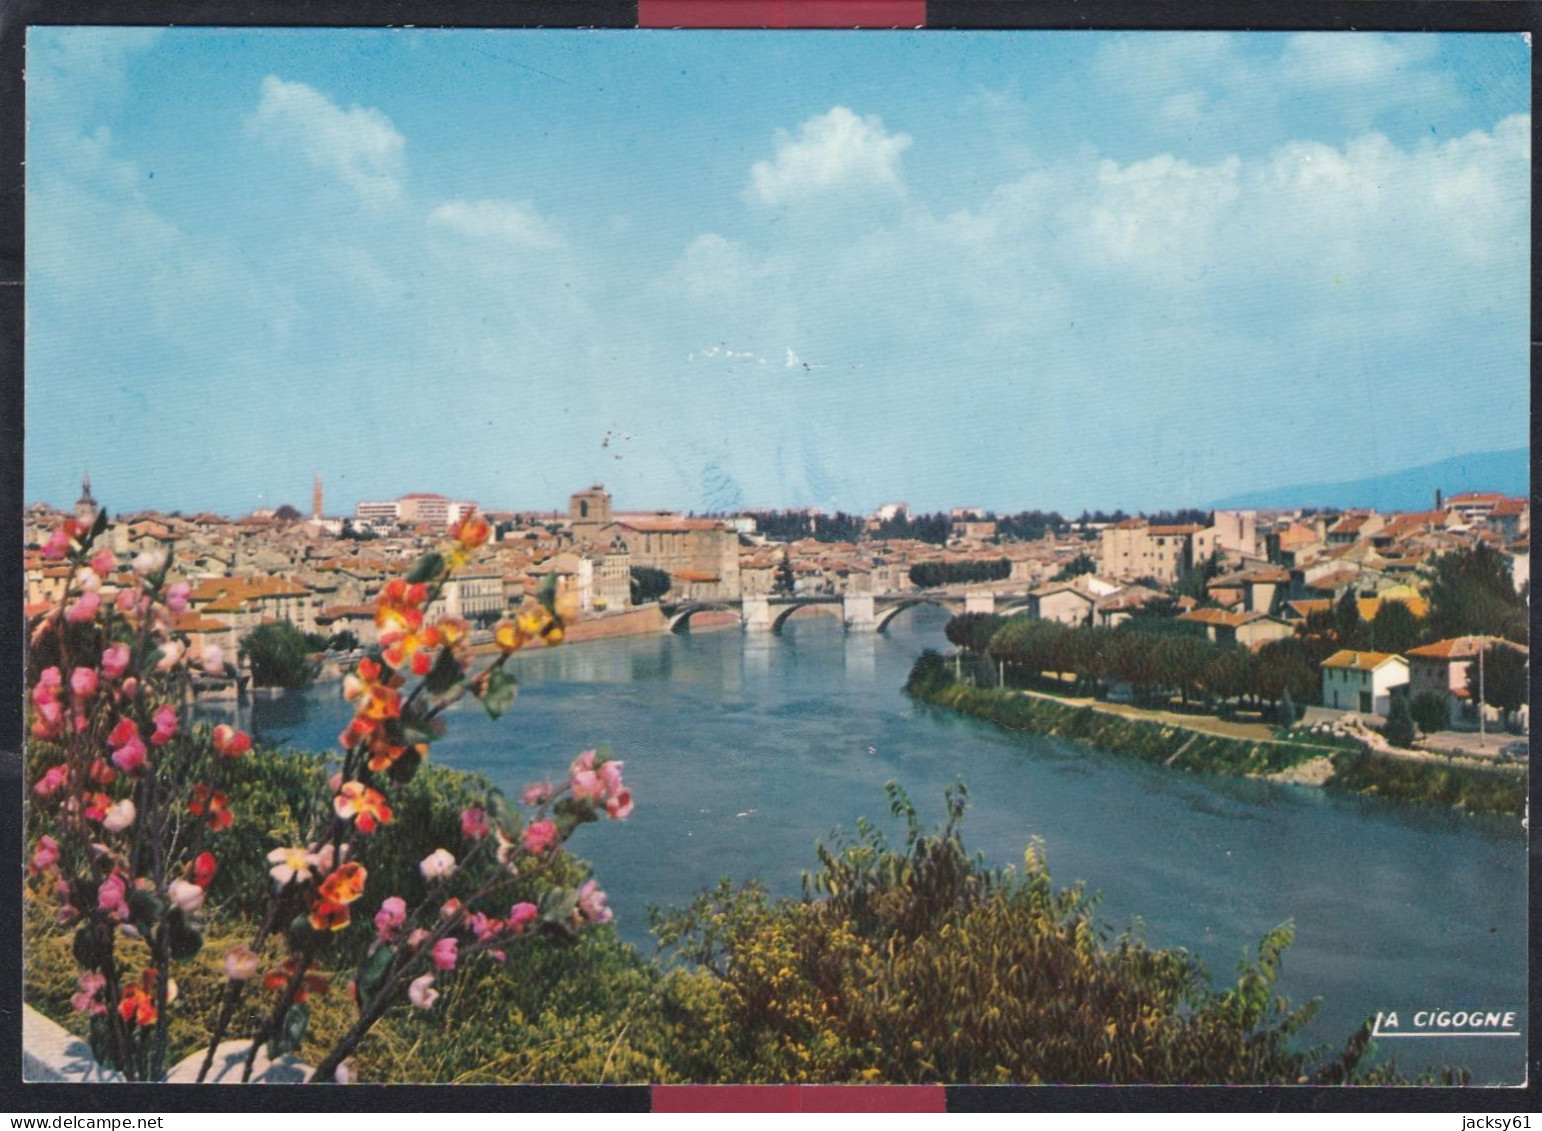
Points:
(934, 575)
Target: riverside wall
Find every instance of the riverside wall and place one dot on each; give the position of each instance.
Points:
(1433, 781)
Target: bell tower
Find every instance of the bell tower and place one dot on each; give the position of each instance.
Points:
(85, 507)
(316, 498)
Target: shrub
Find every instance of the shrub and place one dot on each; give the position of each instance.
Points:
(280, 655)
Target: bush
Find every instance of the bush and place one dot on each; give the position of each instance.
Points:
(1399, 728)
(1430, 712)
(918, 964)
(280, 655)
(649, 584)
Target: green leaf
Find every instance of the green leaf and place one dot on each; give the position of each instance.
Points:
(445, 673)
(100, 524)
(101, 1042)
(372, 972)
(144, 910)
(546, 593)
(502, 689)
(426, 568)
(569, 814)
(88, 956)
(184, 938)
(300, 931)
(558, 905)
(291, 1032)
(403, 769)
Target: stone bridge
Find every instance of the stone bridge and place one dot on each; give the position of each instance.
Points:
(859, 612)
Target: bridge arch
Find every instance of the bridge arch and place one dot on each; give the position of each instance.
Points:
(781, 612)
(680, 619)
(881, 621)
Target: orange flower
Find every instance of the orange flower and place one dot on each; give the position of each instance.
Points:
(367, 806)
(472, 532)
(137, 1007)
(310, 984)
(215, 803)
(346, 884)
(398, 611)
(509, 636)
(329, 916)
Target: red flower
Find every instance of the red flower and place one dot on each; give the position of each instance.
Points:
(201, 870)
(328, 915)
(230, 742)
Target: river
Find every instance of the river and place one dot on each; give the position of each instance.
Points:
(743, 750)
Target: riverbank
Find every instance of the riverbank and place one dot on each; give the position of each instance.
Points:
(1427, 780)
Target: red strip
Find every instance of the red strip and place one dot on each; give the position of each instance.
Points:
(781, 13)
(924, 1099)
(929, 1099)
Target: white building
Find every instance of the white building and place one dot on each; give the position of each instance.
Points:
(1362, 681)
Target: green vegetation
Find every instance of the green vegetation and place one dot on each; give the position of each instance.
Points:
(1076, 567)
(649, 584)
(1504, 680)
(1431, 781)
(280, 655)
(934, 575)
(1473, 594)
(973, 631)
(1399, 728)
(1429, 712)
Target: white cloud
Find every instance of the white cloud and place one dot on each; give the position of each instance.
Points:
(831, 151)
(1353, 58)
(505, 221)
(359, 146)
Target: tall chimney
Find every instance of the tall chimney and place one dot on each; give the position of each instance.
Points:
(1439, 501)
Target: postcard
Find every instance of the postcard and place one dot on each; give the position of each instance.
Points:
(647, 556)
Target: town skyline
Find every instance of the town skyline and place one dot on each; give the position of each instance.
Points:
(1136, 270)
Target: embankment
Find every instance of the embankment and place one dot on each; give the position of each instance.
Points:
(1428, 782)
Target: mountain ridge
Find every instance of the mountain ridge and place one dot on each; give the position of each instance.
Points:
(1409, 489)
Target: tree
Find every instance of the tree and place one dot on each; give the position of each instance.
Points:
(1399, 729)
(785, 581)
(1473, 594)
(1080, 564)
(1286, 716)
(973, 631)
(343, 641)
(280, 655)
(1430, 712)
(1394, 628)
(649, 584)
(1504, 680)
(286, 513)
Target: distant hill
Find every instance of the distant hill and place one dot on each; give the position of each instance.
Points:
(1410, 490)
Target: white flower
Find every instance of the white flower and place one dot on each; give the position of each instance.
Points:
(120, 816)
(290, 864)
(187, 896)
(86, 580)
(437, 865)
(422, 993)
(213, 660)
(149, 561)
(171, 655)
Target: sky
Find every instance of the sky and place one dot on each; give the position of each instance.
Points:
(714, 270)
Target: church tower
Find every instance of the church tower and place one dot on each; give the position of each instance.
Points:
(85, 506)
(588, 512)
(316, 498)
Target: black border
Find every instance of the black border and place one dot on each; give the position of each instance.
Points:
(17, 15)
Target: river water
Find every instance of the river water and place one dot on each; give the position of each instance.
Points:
(742, 751)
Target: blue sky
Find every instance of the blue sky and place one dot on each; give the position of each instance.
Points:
(717, 269)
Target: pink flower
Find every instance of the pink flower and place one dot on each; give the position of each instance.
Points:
(57, 546)
(539, 836)
(444, 953)
(473, 823)
(112, 897)
(610, 776)
(52, 781)
(176, 597)
(50, 719)
(390, 918)
(483, 927)
(591, 903)
(119, 817)
(437, 865)
(91, 983)
(170, 655)
(165, 720)
(122, 732)
(130, 688)
(49, 681)
(586, 785)
(521, 915)
(125, 600)
(83, 683)
(83, 609)
(240, 963)
(418, 938)
(46, 855)
(130, 757)
(584, 761)
(115, 661)
(213, 660)
(537, 793)
(619, 804)
(422, 993)
(451, 908)
(104, 562)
